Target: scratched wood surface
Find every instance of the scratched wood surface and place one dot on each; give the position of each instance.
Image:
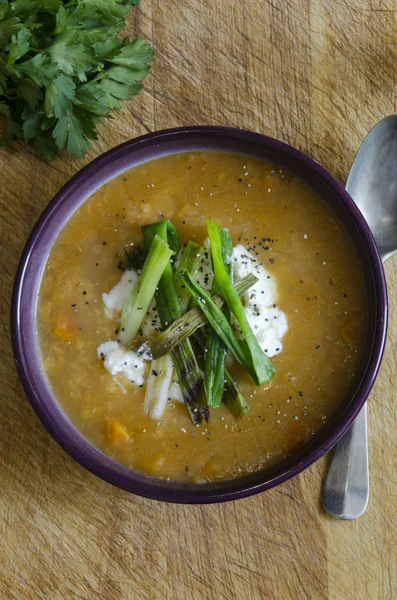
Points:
(316, 74)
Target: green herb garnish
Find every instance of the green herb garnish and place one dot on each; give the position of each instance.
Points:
(233, 398)
(218, 321)
(190, 260)
(169, 309)
(63, 70)
(215, 353)
(143, 291)
(261, 368)
(188, 324)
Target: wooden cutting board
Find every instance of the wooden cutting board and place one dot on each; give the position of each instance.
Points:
(317, 74)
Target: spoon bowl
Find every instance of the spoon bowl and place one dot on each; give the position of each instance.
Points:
(372, 183)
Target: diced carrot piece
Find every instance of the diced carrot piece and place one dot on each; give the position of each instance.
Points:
(66, 328)
(116, 432)
(298, 431)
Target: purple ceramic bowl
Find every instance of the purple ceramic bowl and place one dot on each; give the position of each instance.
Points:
(75, 192)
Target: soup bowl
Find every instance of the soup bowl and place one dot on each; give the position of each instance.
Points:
(67, 201)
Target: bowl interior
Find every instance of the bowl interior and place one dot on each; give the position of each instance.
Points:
(75, 192)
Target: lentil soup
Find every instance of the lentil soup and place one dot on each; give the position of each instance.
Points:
(320, 293)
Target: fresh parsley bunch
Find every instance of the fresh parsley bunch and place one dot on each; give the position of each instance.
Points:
(63, 69)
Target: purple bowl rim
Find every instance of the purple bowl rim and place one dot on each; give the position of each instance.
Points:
(196, 494)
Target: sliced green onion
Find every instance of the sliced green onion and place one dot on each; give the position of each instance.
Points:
(222, 327)
(261, 368)
(135, 256)
(233, 398)
(185, 326)
(215, 352)
(166, 230)
(157, 386)
(143, 291)
(168, 307)
(190, 260)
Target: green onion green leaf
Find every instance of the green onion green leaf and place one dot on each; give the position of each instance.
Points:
(261, 368)
(143, 291)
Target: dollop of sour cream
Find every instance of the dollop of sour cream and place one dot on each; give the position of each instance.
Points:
(115, 300)
(267, 321)
(118, 360)
(117, 297)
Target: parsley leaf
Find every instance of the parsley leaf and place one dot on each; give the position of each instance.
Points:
(29, 91)
(63, 69)
(3, 8)
(71, 58)
(8, 27)
(136, 55)
(40, 69)
(19, 45)
(69, 133)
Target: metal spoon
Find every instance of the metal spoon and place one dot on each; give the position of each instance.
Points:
(372, 183)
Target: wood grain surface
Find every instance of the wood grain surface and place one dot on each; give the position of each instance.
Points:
(317, 74)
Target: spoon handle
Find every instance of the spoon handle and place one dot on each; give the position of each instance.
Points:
(346, 486)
